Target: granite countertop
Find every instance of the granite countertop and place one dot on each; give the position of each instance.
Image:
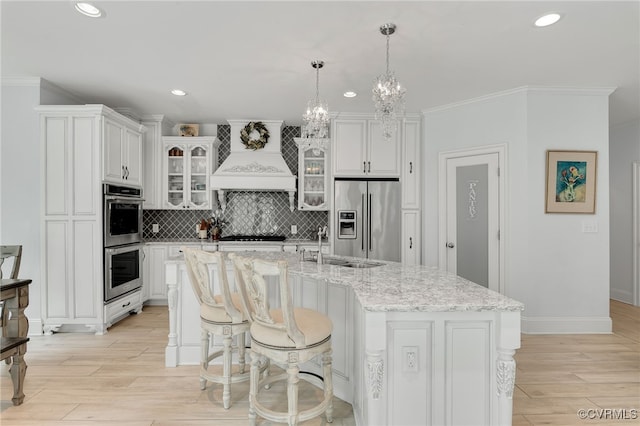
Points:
(197, 241)
(397, 287)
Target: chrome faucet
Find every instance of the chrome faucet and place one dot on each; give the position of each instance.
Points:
(322, 231)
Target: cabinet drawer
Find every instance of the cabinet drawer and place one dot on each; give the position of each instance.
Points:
(122, 306)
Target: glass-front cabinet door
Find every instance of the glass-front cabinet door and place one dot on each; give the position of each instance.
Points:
(313, 176)
(175, 176)
(188, 164)
(199, 182)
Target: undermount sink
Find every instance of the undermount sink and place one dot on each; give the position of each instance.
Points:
(328, 260)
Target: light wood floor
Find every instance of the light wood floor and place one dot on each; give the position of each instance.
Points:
(557, 375)
(82, 379)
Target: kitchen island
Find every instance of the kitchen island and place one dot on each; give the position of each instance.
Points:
(411, 344)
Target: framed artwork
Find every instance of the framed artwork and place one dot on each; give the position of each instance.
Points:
(571, 182)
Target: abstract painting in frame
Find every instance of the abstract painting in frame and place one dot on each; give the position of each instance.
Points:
(571, 181)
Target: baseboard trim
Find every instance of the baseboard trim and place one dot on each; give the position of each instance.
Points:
(621, 296)
(566, 325)
(35, 327)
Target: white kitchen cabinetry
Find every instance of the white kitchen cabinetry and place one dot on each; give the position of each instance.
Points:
(360, 150)
(156, 126)
(410, 177)
(73, 140)
(411, 198)
(118, 308)
(313, 176)
(410, 244)
(154, 275)
(188, 162)
(122, 151)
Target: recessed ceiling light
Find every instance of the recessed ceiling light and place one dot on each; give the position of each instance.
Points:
(350, 94)
(88, 9)
(179, 92)
(547, 19)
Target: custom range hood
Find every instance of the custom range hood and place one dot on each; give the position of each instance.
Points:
(254, 165)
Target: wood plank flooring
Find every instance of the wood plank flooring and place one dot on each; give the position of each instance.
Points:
(120, 378)
(557, 375)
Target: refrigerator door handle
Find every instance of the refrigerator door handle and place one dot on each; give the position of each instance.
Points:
(369, 222)
(362, 221)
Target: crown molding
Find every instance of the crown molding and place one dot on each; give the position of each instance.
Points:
(559, 90)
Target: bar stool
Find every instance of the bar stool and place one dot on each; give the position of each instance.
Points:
(287, 336)
(220, 315)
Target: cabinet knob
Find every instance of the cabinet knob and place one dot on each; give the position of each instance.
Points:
(450, 245)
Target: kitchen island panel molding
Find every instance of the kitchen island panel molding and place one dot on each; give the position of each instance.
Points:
(411, 336)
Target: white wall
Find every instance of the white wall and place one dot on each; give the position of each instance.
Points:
(558, 272)
(20, 216)
(624, 147)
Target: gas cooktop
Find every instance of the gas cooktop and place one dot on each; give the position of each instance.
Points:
(253, 238)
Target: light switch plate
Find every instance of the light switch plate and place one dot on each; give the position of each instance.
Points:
(589, 226)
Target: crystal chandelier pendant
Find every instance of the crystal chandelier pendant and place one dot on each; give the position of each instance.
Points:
(388, 93)
(316, 117)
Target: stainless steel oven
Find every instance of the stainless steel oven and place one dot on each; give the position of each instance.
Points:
(122, 215)
(122, 240)
(122, 270)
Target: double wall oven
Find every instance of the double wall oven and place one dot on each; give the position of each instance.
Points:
(122, 240)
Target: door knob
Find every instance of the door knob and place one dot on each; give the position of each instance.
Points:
(451, 245)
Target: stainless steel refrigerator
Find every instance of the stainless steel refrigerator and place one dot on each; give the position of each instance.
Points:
(367, 218)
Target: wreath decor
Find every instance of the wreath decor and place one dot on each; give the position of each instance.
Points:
(249, 129)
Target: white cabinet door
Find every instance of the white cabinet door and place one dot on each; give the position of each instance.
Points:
(151, 147)
(360, 150)
(133, 158)
(112, 160)
(411, 165)
(383, 155)
(410, 248)
(122, 159)
(156, 279)
(349, 147)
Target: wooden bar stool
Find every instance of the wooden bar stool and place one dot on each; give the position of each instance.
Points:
(220, 315)
(287, 336)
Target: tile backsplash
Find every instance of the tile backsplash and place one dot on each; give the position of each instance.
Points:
(247, 212)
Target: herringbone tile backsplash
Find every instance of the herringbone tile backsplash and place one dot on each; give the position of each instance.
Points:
(247, 212)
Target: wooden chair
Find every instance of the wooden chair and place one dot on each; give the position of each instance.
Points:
(287, 336)
(8, 252)
(220, 315)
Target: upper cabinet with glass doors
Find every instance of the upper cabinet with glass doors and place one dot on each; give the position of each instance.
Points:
(313, 175)
(188, 162)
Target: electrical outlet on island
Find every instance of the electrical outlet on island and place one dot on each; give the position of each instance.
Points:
(294, 229)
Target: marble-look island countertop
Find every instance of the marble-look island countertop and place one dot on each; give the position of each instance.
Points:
(395, 287)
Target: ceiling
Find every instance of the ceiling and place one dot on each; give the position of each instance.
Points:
(252, 60)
